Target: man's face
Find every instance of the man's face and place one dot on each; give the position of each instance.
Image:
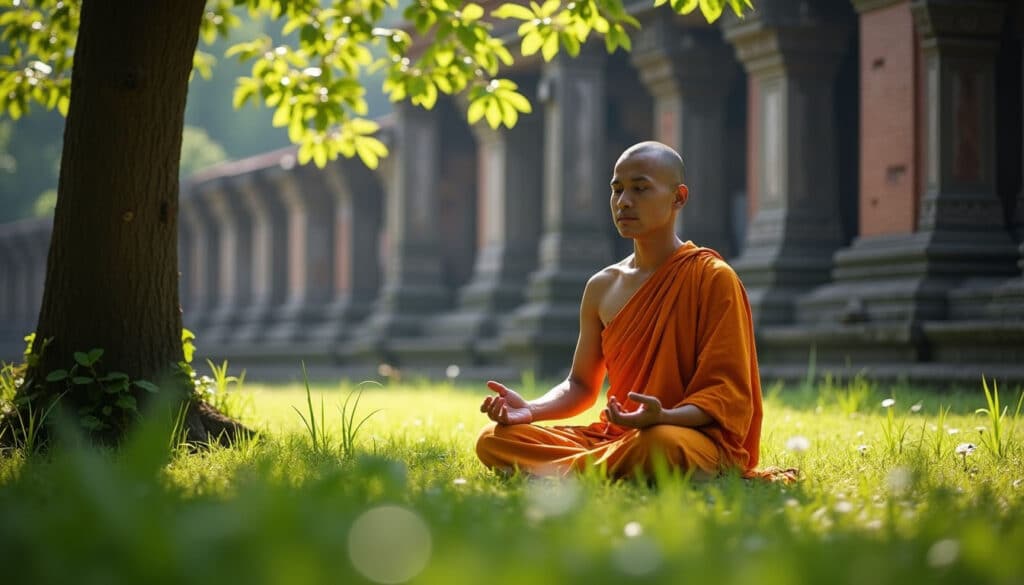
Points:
(644, 196)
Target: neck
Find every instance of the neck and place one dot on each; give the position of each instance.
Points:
(649, 254)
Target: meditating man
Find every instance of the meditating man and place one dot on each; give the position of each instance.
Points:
(671, 325)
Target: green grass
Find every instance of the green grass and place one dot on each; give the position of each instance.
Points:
(885, 499)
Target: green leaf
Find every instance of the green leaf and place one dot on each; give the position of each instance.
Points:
(550, 47)
(91, 423)
(57, 376)
(712, 9)
(513, 11)
(82, 359)
(82, 380)
(95, 355)
(114, 377)
(476, 110)
(493, 113)
(245, 89)
(531, 43)
(319, 154)
(127, 402)
(147, 386)
(472, 12)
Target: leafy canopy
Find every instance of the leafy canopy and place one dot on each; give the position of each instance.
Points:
(314, 81)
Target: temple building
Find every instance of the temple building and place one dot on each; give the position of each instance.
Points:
(858, 162)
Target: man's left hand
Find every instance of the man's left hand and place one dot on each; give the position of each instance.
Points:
(647, 415)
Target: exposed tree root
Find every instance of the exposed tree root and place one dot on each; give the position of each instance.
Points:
(205, 425)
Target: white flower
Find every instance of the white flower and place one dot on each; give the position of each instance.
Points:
(459, 481)
(862, 449)
(888, 403)
(843, 507)
(1017, 483)
(965, 449)
(917, 407)
(798, 444)
(952, 431)
(452, 371)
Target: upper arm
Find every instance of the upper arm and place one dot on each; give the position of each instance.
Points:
(588, 367)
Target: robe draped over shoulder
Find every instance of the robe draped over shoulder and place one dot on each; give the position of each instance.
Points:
(687, 337)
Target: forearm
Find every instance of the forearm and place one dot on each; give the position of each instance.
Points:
(568, 398)
(686, 415)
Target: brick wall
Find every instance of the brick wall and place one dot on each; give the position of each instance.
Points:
(888, 166)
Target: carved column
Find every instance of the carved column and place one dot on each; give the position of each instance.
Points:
(204, 243)
(791, 51)
(688, 70)
(358, 208)
(509, 186)
(234, 267)
(269, 253)
(542, 333)
(412, 288)
(309, 209)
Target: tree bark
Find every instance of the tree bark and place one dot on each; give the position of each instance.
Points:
(112, 269)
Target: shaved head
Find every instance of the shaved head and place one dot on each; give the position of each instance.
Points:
(663, 155)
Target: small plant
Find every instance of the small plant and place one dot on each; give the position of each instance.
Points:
(108, 400)
(999, 439)
(349, 430)
(894, 430)
(319, 436)
(940, 432)
(28, 439)
(215, 390)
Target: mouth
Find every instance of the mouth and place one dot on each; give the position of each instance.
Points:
(622, 219)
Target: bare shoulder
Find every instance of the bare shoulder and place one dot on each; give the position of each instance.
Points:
(606, 277)
(602, 280)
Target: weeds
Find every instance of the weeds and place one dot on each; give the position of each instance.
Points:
(349, 430)
(998, 440)
(216, 392)
(894, 430)
(320, 438)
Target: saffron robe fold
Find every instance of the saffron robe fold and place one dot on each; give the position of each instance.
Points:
(686, 337)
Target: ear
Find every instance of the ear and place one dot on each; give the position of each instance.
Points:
(682, 194)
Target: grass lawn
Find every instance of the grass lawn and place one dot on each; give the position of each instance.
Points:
(885, 498)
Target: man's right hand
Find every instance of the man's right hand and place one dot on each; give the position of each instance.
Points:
(508, 407)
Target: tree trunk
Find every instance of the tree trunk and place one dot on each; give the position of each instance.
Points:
(112, 270)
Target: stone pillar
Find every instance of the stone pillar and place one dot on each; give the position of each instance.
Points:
(509, 187)
(269, 253)
(358, 208)
(412, 289)
(204, 254)
(688, 70)
(542, 333)
(310, 215)
(916, 294)
(234, 267)
(791, 51)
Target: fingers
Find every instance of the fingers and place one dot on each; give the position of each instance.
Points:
(495, 409)
(498, 387)
(486, 405)
(650, 401)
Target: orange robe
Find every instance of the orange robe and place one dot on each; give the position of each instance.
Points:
(686, 336)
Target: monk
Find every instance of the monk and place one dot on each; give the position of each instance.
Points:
(671, 326)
